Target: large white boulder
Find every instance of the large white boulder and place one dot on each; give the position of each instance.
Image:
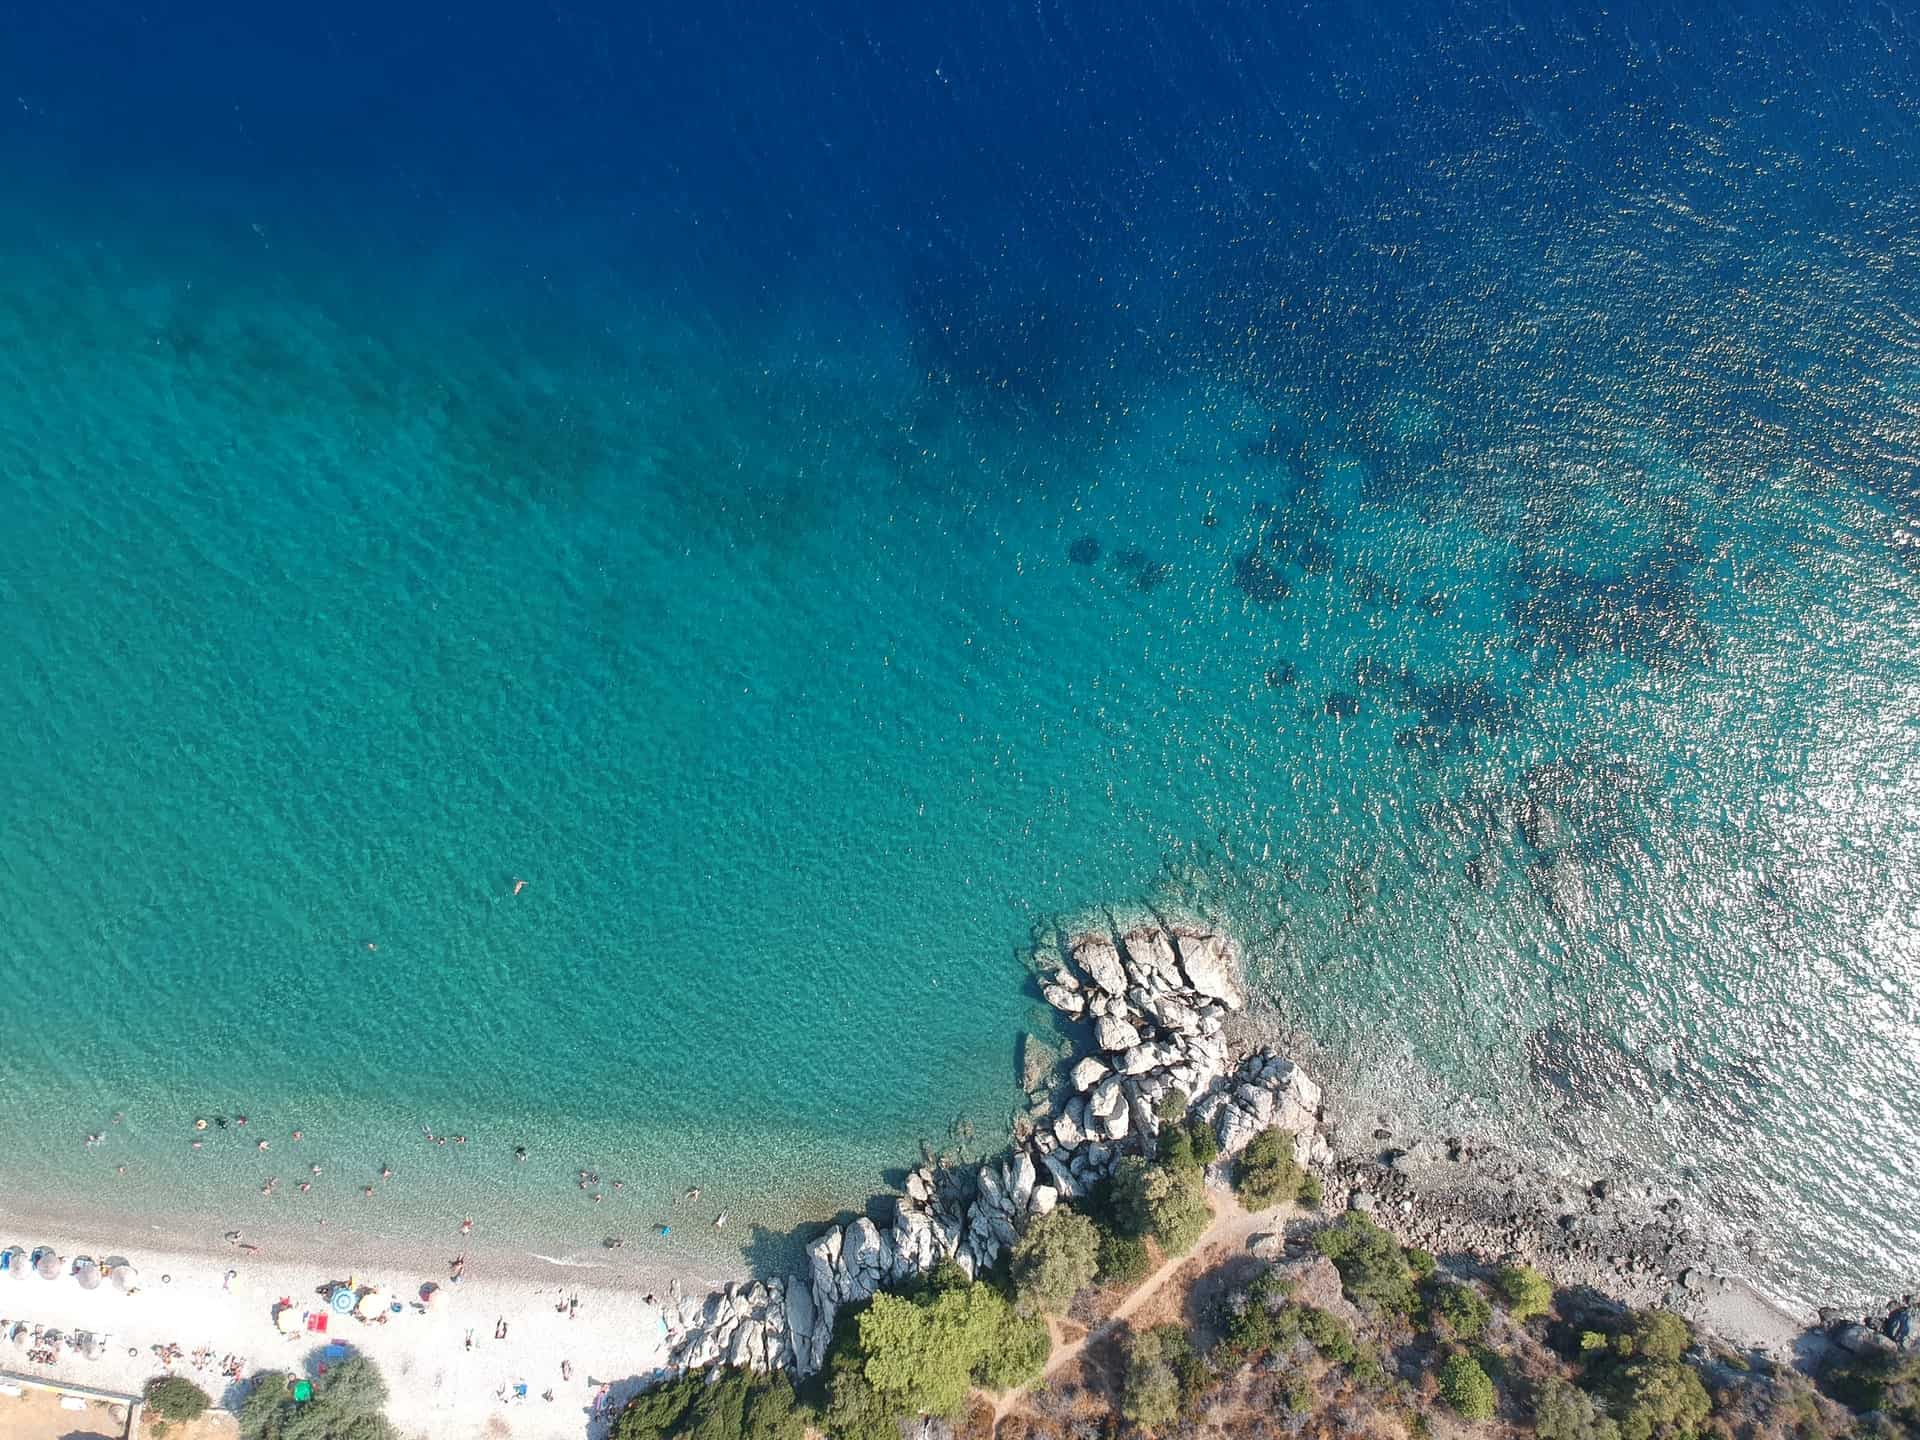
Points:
(1089, 1072)
(1212, 965)
(1099, 959)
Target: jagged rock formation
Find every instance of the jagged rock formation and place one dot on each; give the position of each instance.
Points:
(1157, 999)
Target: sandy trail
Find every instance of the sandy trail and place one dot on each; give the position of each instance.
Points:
(1225, 1235)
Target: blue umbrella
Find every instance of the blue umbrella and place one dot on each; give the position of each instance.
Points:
(342, 1300)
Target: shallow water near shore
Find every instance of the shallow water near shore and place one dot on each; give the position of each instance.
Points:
(1448, 517)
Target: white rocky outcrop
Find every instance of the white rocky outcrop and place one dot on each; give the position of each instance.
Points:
(1157, 998)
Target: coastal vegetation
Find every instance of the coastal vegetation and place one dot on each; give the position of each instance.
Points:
(1266, 1174)
(1054, 1261)
(922, 1353)
(174, 1400)
(717, 1405)
(346, 1403)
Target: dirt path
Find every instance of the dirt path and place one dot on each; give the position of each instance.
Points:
(1228, 1231)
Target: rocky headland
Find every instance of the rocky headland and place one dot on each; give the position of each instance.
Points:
(1153, 1020)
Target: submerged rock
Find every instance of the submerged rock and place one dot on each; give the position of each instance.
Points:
(1084, 551)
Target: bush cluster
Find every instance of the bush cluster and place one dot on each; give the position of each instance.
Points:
(714, 1404)
(174, 1399)
(1267, 1174)
(1374, 1270)
(919, 1355)
(1466, 1387)
(347, 1404)
(1527, 1292)
(1458, 1310)
(1053, 1261)
(1168, 1202)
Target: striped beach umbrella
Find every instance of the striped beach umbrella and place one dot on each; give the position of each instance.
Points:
(48, 1265)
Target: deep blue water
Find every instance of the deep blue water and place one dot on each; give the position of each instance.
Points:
(824, 495)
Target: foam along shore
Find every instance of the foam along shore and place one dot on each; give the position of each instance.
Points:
(1157, 999)
(447, 1371)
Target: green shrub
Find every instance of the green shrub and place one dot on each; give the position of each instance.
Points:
(1176, 1348)
(1421, 1263)
(260, 1411)
(1566, 1412)
(1466, 1387)
(1167, 1202)
(1527, 1292)
(1015, 1355)
(1253, 1325)
(714, 1404)
(1330, 1335)
(1296, 1395)
(1373, 1269)
(1658, 1397)
(1172, 1108)
(1121, 1259)
(1266, 1173)
(1310, 1195)
(1889, 1384)
(176, 1398)
(1461, 1309)
(1188, 1145)
(347, 1404)
(1150, 1391)
(1658, 1335)
(855, 1410)
(921, 1354)
(1057, 1256)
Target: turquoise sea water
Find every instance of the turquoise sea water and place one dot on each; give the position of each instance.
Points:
(1479, 580)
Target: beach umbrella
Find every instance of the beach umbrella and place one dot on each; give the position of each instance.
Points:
(87, 1273)
(287, 1320)
(125, 1278)
(371, 1304)
(48, 1264)
(342, 1300)
(14, 1261)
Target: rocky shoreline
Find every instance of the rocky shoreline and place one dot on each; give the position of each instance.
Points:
(1148, 1011)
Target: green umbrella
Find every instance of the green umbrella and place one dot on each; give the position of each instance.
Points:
(302, 1391)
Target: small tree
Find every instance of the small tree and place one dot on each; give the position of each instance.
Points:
(1122, 1259)
(346, 1405)
(1461, 1309)
(1466, 1387)
(1150, 1393)
(1566, 1412)
(1659, 1398)
(1168, 1203)
(1053, 1261)
(1266, 1173)
(175, 1400)
(1373, 1268)
(1527, 1292)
